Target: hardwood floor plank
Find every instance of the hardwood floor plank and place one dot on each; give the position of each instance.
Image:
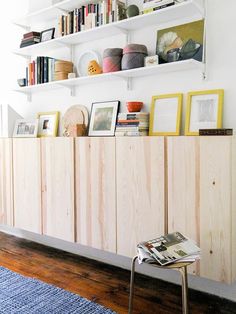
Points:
(105, 284)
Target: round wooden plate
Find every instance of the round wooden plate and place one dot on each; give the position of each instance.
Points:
(76, 114)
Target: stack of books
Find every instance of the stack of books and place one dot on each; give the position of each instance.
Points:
(47, 69)
(92, 15)
(132, 124)
(167, 249)
(30, 38)
(153, 5)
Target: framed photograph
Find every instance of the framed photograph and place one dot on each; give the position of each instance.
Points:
(204, 111)
(26, 128)
(165, 114)
(48, 34)
(48, 123)
(103, 118)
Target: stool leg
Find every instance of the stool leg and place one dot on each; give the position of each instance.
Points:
(131, 292)
(184, 278)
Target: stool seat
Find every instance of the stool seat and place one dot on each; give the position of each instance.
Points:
(181, 267)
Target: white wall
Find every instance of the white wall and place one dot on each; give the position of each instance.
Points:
(221, 65)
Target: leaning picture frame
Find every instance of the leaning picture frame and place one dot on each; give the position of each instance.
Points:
(165, 115)
(204, 110)
(103, 118)
(48, 123)
(25, 128)
(47, 34)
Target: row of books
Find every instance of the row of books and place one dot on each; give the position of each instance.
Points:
(46, 69)
(132, 124)
(91, 15)
(153, 5)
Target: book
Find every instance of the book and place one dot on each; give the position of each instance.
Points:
(170, 248)
(145, 11)
(156, 4)
(212, 132)
(31, 34)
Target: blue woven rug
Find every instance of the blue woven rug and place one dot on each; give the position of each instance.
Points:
(23, 295)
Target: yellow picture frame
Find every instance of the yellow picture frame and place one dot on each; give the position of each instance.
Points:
(48, 123)
(170, 119)
(203, 108)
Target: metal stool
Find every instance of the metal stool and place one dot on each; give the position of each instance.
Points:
(181, 267)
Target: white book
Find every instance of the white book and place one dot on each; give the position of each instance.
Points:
(8, 117)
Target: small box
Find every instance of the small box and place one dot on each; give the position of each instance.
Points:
(151, 60)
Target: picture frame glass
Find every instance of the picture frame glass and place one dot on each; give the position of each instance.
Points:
(204, 112)
(103, 118)
(165, 113)
(25, 128)
(47, 124)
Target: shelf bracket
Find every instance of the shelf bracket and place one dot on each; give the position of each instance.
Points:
(25, 27)
(71, 88)
(62, 10)
(27, 57)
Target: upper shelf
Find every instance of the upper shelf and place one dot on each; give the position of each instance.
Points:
(188, 9)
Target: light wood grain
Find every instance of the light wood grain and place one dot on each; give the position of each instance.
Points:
(58, 188)
(140, 191)
(183, 188)
(95, 193)
(6, 185)
(233, 220)
(215, 208)
(27, 184)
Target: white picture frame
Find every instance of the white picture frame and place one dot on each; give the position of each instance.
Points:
(26, 128)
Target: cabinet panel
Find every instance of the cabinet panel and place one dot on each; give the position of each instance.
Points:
(6, 187)
(140, 191)
(183, 188)
(58, 187)
(27, 184)
(216, 208)
(96, 193)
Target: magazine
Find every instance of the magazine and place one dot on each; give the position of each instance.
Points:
(168, 249)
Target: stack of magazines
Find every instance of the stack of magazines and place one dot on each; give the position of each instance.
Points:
(170, 248)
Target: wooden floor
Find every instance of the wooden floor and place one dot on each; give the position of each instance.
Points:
(100, 282)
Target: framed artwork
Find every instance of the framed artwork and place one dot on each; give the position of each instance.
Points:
(181, 42)
(103, 118)
(48, 34)
(48, 123)
(204, 111)
(165, 114)
(26, 128)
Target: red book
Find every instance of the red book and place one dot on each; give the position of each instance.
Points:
(31, 34)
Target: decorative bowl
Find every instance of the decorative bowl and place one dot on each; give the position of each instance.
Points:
(134, 106)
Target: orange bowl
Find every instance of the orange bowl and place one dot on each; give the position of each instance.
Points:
(134, 106)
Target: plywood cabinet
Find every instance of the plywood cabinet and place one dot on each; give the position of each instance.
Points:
(201, 200)
(58, 188)
(96, 193)
(6, 185)
(27, 184)
(140, 191)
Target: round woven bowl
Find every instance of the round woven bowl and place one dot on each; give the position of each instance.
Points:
(134, 106)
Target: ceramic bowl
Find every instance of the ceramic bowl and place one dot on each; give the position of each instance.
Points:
(134, 106)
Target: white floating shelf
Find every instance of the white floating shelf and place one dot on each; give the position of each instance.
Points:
(180, 11)
(128, 74)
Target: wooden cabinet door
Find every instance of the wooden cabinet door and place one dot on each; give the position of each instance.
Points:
(27, 184)
(96, 192)
(58, 187)
(140, 191)
(6, 186)
(216, 178)
(183, 188)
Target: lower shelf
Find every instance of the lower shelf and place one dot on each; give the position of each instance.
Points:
(185, 65)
